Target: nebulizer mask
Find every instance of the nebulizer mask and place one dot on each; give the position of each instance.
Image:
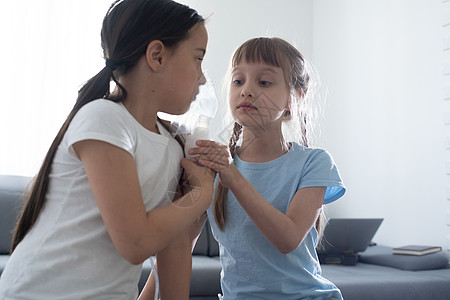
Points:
(195, 122)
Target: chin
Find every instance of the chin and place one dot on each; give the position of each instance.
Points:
(186, 108)
(249, 123)
(179, 112)
(180, 109)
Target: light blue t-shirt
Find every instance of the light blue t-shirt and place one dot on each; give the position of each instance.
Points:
(252, 268)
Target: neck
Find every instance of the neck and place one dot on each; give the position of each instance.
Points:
(141, 100)
(144, 114)
(262, 146)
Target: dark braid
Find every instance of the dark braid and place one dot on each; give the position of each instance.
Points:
(235, 137)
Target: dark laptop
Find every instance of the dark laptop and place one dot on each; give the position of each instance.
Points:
(345, 236)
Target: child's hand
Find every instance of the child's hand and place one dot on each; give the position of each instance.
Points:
(217, 157)
(198, 177)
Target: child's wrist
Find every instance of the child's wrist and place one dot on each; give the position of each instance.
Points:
(236, 178)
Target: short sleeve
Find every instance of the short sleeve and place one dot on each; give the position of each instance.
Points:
(320, 170)
(101, 120)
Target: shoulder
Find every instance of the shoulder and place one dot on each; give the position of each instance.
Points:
(319, 169)
(102, 112)
(101, 107)
(310, 153)
(103, 120)
(311, 159)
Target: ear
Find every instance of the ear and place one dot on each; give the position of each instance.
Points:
(295, 95)
(292, 96)
(289, 103)
(154, 55)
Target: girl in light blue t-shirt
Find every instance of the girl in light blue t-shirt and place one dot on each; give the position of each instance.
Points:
(270, 189)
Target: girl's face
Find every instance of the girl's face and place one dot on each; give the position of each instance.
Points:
(259, 95)
(184, 71)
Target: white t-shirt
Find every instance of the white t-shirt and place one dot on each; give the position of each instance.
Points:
(68, 253)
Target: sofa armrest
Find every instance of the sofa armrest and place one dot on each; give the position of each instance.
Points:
(12, 190)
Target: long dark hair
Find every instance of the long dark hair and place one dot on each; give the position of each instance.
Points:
(128, 27)
(279, 53)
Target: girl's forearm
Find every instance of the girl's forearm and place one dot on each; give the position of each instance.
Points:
(175, 265)
(278, 228)
(172, 220)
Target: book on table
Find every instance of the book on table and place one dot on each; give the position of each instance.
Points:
(416, 250)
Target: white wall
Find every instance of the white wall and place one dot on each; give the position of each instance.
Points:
(382, 63)
(48, 50)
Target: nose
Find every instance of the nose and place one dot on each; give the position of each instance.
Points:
(247, 91)
(202, 79)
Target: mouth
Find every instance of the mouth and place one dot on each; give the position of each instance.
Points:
(194, 97)
(246, 106)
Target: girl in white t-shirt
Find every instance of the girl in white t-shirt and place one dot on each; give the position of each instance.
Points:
(101, 203)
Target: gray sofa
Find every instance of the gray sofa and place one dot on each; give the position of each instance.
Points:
(11, 192)
(377, 276)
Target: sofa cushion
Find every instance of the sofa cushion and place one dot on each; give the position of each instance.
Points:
(205, 279)
(11, 194)
(201, 246)
(213, 246)
(206, 244)
(381, 255)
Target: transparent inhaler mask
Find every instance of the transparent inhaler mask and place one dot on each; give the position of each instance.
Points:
(204, 105)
